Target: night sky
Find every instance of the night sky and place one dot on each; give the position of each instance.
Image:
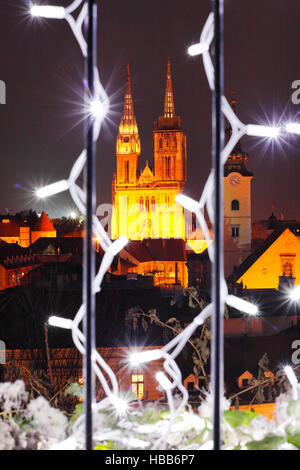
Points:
(41, 124)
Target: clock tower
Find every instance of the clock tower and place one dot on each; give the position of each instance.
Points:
(237, 206)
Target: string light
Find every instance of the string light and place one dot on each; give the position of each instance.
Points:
(262, 131)
(293, 128)
(295, 294)
(47, 11)
(52, 189)
(293, 380)
(60, 322)
(241, 304)
(137, 358)
(98, 107)
(196, 49)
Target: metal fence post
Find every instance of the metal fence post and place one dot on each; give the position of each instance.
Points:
(89, 252)
(217, 367)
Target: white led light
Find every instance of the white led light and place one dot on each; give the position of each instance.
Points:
(241, 304)
(118, 245)
(145, 356)
(97, 109)
(293, 127)
(196, 49)
(48, 11)
(60, 322)
(53, 188)
(187, 202)
(262, 131)
(163, 380)
(291, 375)
(120, 405)
(295, 293)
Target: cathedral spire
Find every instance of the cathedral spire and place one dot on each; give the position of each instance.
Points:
(128, 113)
(169, 108)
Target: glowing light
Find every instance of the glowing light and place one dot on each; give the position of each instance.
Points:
(291, 375)
(97, 109)
(48, 11)
(53, 188)
(241, 304)
(145, 356)
(120, 405)
(293, 127)
(60, 322)
(295, 294)
(196, 49)
(187, 202)
(73, 215)
(163, 380)
(262, 131)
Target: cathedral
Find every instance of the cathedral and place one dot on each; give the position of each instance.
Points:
(144, 200)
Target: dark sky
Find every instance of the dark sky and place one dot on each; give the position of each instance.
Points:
(41, 124)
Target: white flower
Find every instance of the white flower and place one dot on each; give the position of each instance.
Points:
(7, 442)
(12, 395)
(205, 409)
(49, 421)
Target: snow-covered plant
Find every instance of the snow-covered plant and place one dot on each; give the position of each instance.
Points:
(35, 424)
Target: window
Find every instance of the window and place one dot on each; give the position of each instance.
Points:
(287, 269)
(190, 386)
(147, 204)
(245, 382)
(137, 385)
(141, 205)
(127, 171)
(160, 143)
(235, 205)
(153, 204)
(235, 231)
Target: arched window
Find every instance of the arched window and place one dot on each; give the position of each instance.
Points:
(160, 143)
(127, 171)
(153, 204)
(147, 204)
(235, 205)
(141, 204)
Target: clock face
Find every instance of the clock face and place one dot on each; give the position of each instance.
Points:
(235, 180)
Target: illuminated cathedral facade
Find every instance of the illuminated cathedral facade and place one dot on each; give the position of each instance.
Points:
(144, 200)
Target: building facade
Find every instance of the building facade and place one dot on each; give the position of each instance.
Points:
(144, 201)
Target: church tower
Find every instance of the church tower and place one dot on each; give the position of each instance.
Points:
(128, 147)
(237, 205)
(169, 141)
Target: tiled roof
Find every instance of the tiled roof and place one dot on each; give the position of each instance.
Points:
(157, 250)
(43, 224)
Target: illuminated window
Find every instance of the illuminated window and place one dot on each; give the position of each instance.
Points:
(147, 204)
(287, 269)
(141, 205)
(153, 204)
(235, 205)
(137, 385)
